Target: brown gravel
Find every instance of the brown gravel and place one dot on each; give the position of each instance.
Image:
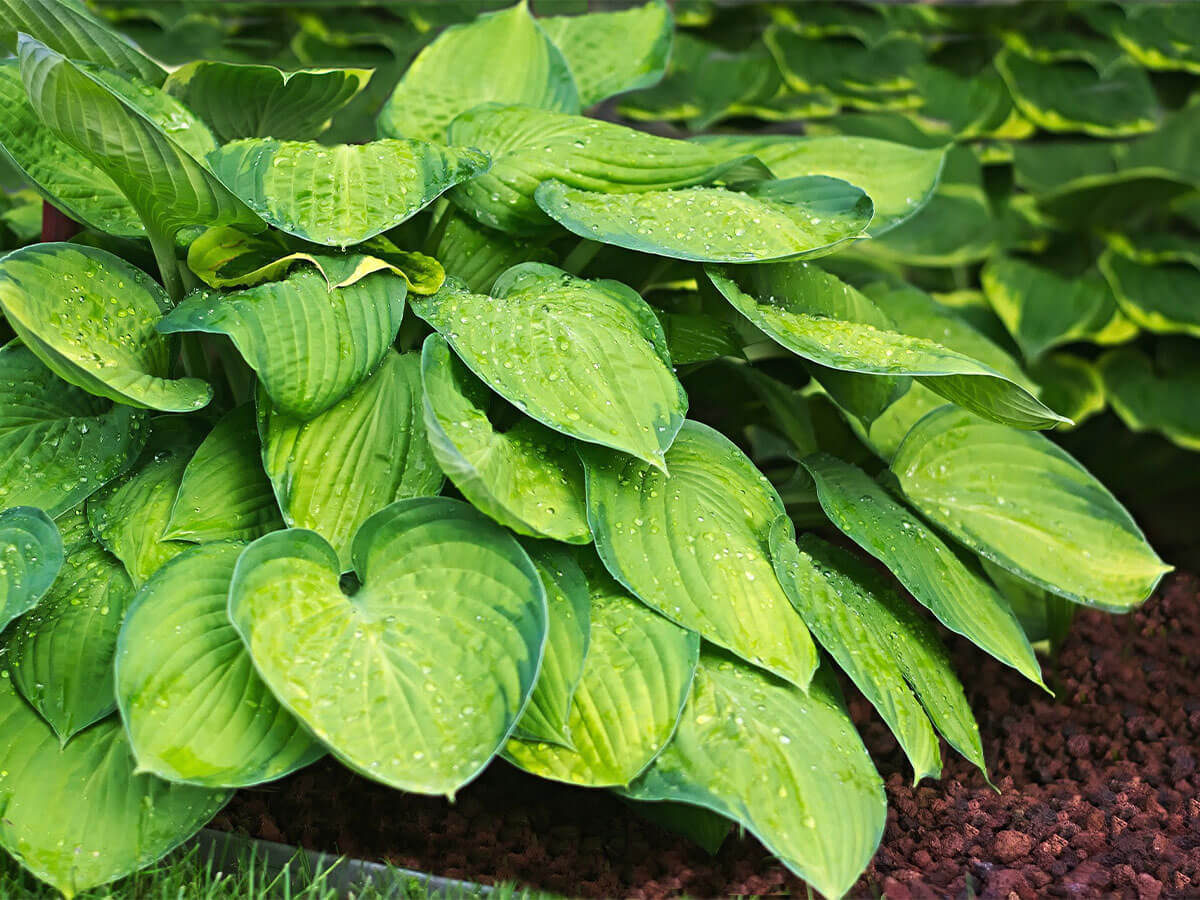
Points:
(1098, 795)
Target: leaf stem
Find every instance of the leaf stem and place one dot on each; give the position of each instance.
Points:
(168, 264)
(583, 253)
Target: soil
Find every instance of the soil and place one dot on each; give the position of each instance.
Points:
(1099, 795)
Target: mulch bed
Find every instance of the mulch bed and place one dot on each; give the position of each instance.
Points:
(1099, 795)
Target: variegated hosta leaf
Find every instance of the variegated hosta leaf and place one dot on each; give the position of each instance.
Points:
(77, 816)
(90, 316)
(613, 52)
(1158, 37)
(636, 678)
(568, 605)
(195, 709)
(334, 470)
(957, 594)
(60, 654)
(31, 553)
(529, 146)
(587, 358)
(843, 64)
(477, 255)
(820, 318)
(784, 764)
(1160, 395)
(244, 100)
(1158, 297)
(58, 444)
(1020, 501)
(1070, 383)
(694, 546)
(344, 194)
(419, 677)
(310, 344)
(770, 220)
(893, 655)
(525, 476)
(460, 69)
(224, 493)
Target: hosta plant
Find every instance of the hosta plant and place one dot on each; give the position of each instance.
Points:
(508, 432)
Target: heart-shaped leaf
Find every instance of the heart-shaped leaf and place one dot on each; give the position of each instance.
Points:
(31, 553)
(335, 470)
(1160, 395)
(477, 255)
(636, 678)
(771, 220)
(195, 709)
(417, 679)
(587, 358)
(524, 476)
(58, 444)
(956, 593)
(90, 317)
(310, 344)
(345, 194)
(694, 546)
(1158, 297)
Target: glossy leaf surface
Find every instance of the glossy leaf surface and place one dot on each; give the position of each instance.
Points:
(31, 553)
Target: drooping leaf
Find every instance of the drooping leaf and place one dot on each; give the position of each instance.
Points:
(477, 255)
(956, 593)
(784, 764)
(333, 471)
(90, 316)
(194, 707)
(459, 70)
(417, 679)
(697, 823)
(525, 476)
(587, 358)
(636, 678)
(1160, 395)
(1159, 297)
(1070, 383)
(697, 337)
(31, 554)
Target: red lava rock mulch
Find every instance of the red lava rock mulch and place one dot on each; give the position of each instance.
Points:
(1099, 795)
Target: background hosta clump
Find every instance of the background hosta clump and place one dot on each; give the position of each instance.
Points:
(398, 400)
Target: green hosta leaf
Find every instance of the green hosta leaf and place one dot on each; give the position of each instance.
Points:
(784, 764)
(529, 146)
(955, 228)
(569, 606)
(524, 476)
(636, 678)
(60, 655)
(810, 61)
(772, 220)
(1162, 397)
(419, 678)
(1158, 37)
(1070, 383)
(820, 318)
(180, 662)
(964, 107)
(90, 317)
(477, 255)
(1158, 297)
(310, 345)
(31, 553)
(334, 470)
(1041, 309)
(958, 595)
(1173, 147)
(587, 358)
(694, 546)
(697, 338)
(224, 493)
(58, 444)
(460, 70)
(77, 816)
(344, 194)
(899, 180)
(612, 52)
(696, 823)
(240, 101)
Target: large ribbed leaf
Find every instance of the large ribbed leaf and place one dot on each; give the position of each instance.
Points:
(820, 318)
(310, 345)
(1160, 296)
(1020, 501)
(636, 678)
(333, 471)
(931, 570)
(419, 677)
(195, 709)
(90, 317)
(477, 255)
(587, 358)
(770, 220)
(31, 553)
(783, 763)
(344, 194)
(244, 100)
(1160, 395)
(694, 545)
(78, 816)
(504, 56)
(58, 444)
(525, 475)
